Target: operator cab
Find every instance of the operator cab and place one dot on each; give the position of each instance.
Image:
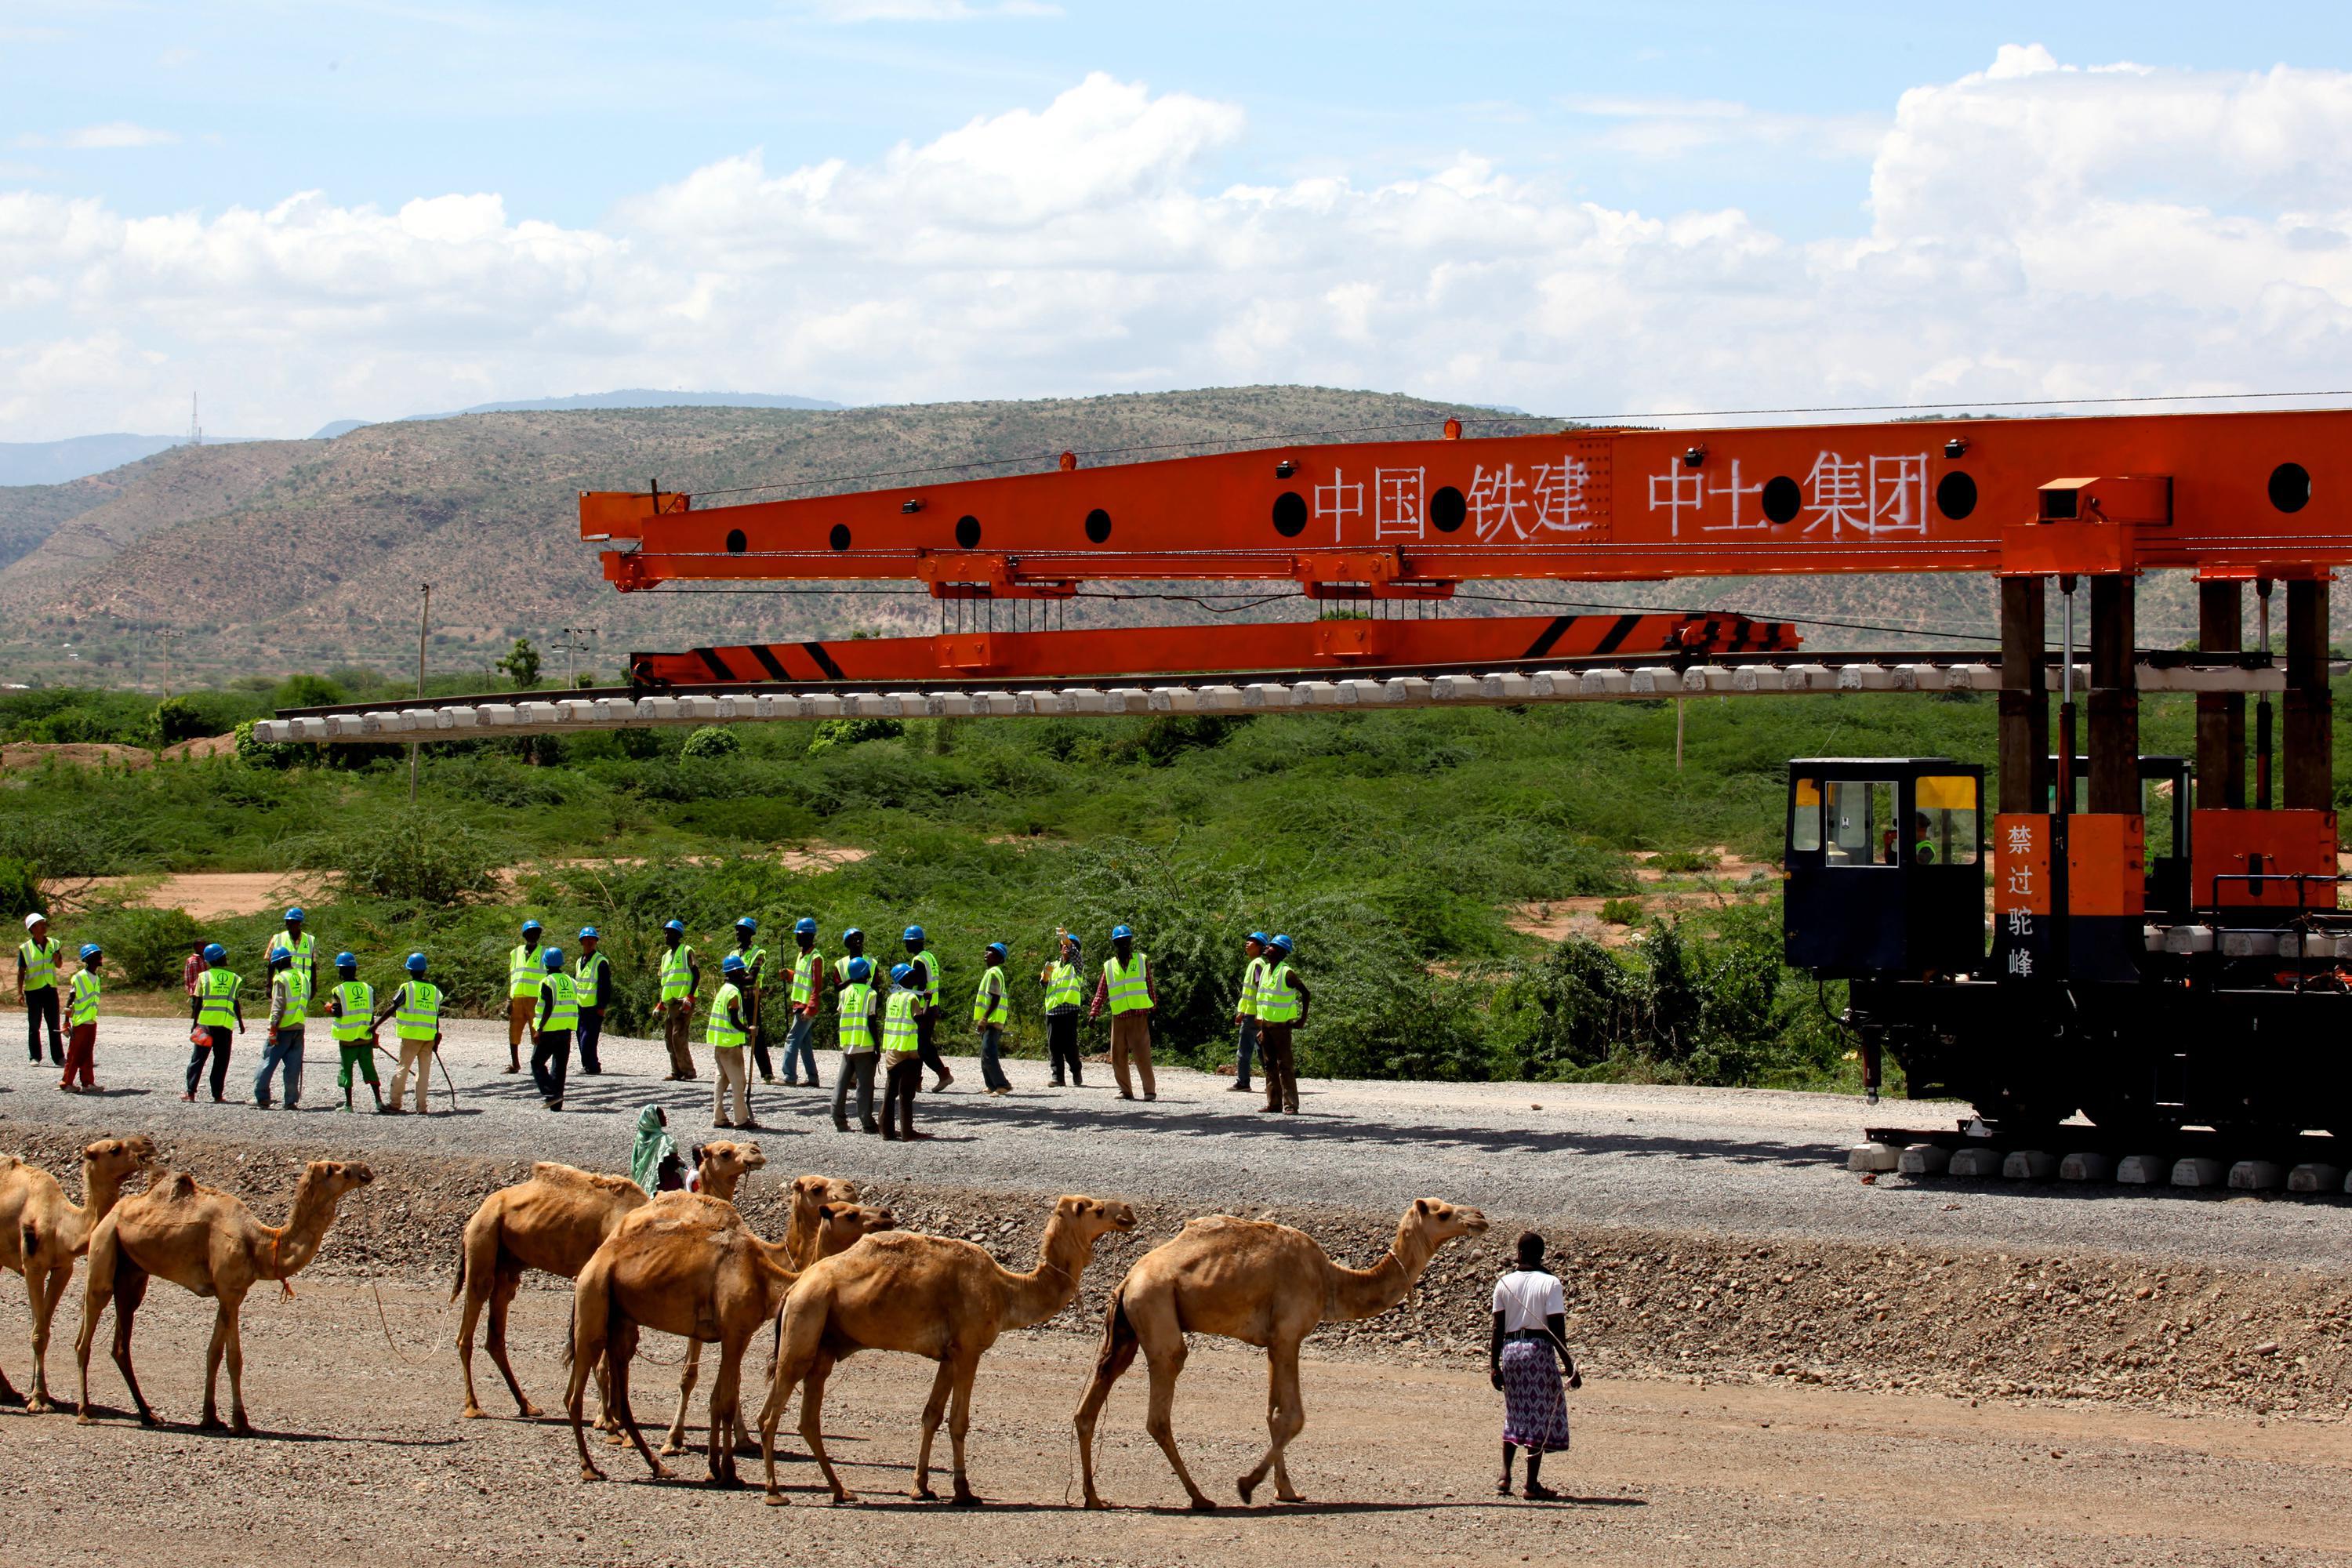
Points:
(1885, 867)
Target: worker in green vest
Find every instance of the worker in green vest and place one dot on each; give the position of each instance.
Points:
(552, 1021)
(37, 983)
(1282, 1000)
(1246, 1009)
(859, 1042)
(303, 945)
(592, 978)
(81, 1024)
(902, 1054)
(927, 1013)
(681, 977)
(1127, 991)
(753, 986)
(807, 995)
(290, 1012)
(524, 977)
(1066, 1000)
(991, 1009)
(415, 1009)
(219, 1007)
(352, 1004)
(724, 1032)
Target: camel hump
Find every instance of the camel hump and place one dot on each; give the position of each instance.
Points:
(561, 1176)
(8, 1162)
(179, 1187)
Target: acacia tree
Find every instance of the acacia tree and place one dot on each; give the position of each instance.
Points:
(521, 662)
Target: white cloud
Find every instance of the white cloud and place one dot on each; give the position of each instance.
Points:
(115, 133)
(2034, 230)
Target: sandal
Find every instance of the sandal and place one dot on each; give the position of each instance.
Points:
(1536, 1493)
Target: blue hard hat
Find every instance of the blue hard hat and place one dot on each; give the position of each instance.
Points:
(551, 960)
(914, 934)
(587, 933)
(277, 953)
(1119, 932)
(295, 913)
(415, 965)
(214, 952)
(747, 923)
(860, 971)
(531, 925)
(852, 935)
(733, 964)
(89, 951)
(1280, 944)
(678, 926)
(898, 975)
(805, 926)
(347, 961)
(1258, 937)
(1000, 951)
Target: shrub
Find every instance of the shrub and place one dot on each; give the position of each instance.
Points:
(417, 856)
(20, 889)
(144, 948)
(712, 741)
(832, 732)
(1619, 911)
(259, 754)
(1685, 861)
(308, 691)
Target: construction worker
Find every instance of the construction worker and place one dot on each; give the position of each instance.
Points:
(807, 991)
(1064, 986)
(991, 1009)
(352, 1004)
(755, 961)
(304, 946)
(290, 1010)
(1127, 990)
(902, 1054)
(37, 983)
(415, 1011)
(853, 948)
(552, 1025)
(1246, 1009)
(220, 1005)
(681, 977)
(81, 1025)
(524, 977)
(858, 1042)
(1282, 1000)
(590, 977)
(927, 1016)
(724, 1032)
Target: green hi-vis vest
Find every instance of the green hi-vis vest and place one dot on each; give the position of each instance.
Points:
(357, 1000)
(1129, 992)
(419, 1017)
(988, 1004)
(677, 978)
(216, 990)
(755, 962)
(1253, 989)
(562, 1003)
(83, 1002)
(856, 1018)
(1063, 988)
(1277, 1003)
(40, 962)
(523, 972)
(806, 967)
(298, 996)
(898, 1031)
(722, 1032)
(931, 992)
(588, 979)
(304, 951)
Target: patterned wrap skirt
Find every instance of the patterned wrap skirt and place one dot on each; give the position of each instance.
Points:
(1534, 1410)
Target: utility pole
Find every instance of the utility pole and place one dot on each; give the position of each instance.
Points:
(572, 636)
(423, 620)
(167, 637)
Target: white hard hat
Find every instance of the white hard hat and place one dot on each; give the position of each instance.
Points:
(33, 919)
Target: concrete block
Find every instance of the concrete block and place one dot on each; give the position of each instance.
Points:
(1599, 683)
(2257, 1176)
(2087, 1168)
(1003, 704)
(1872, 1157)
(1128, 699)
(2030, 1166)
(2143, 1170)
(1453, 687)
(1407, 689)
(1315, 694)
(2197, 1170)
(1808, 677)
(2312, 1177)
(1657, 681)
(1976, 1160)
(1924, 1160)
(1506, 687)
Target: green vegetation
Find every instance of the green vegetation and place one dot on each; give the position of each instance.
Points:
(1392, 846)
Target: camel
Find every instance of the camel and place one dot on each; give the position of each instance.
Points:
(208, 1242)
(1265, 1284)
(803, 1232)
(555, 1222)
(41, 1234)
(929, 1295)
(689, 1266)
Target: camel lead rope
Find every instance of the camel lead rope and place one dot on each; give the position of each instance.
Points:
(285, 1285)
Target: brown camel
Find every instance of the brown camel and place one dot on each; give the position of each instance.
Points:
(208, 1242)
(803, 1232)
(929, 1295)
(41, 1234)
(555, 1222)
(1265, 1284)
(689, 1266)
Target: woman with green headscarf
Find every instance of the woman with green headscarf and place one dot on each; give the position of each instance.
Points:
(655, 1154)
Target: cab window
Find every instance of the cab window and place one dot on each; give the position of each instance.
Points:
(1860, 821)
(1805, 825)
(1943, 827)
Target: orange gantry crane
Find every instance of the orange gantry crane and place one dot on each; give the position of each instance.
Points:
(2196, 985)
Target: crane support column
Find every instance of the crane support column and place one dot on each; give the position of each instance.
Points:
(2114, 744)
(2220, 715)
(2024, 696)
(2310, 736)
(2105, 847)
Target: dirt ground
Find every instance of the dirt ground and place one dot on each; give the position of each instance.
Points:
(365, 1460)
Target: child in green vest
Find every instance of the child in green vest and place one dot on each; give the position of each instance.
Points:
(81, 1026)
(351, 1005)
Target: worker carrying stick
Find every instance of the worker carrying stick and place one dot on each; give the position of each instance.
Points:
(1127, 989)
(415, 1011)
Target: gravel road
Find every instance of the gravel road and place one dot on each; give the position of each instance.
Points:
(1750, 1162)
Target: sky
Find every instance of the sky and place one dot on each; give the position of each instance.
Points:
(322, 210)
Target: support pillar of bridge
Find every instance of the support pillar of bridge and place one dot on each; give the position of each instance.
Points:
(2024, 696)
(2114, 741)
(2310, 730)
(2220, 715)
